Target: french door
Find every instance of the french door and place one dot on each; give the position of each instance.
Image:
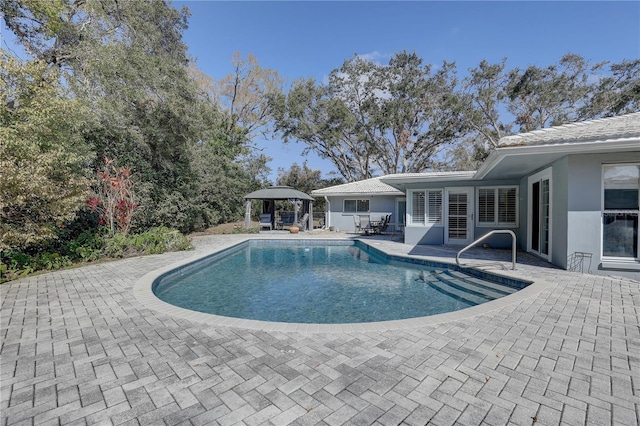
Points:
(539, 218)
(458, 216)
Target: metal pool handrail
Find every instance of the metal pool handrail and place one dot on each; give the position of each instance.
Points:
(496, 231)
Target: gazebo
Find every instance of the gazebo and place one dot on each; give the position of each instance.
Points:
(273, 193)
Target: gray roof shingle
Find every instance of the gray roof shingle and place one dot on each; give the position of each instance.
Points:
(367, 186)
(623, 126)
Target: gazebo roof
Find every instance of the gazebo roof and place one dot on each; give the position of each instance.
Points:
(278, 193)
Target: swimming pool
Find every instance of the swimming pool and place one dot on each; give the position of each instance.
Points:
(323, 282)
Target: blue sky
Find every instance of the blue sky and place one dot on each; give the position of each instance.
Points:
(309, 39)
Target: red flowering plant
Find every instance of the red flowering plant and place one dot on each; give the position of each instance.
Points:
(115, 200)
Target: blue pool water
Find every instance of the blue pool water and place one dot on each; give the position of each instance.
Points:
(323, 283)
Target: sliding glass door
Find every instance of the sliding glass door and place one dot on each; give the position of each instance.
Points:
(539, 221)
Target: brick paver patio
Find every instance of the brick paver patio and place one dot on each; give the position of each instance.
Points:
(79, 348)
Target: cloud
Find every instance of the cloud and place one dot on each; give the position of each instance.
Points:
(374, 56)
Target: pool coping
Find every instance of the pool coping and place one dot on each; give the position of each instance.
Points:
(143, 292)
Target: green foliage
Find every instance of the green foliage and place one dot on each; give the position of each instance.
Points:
(154, 241)
(43, 154)
(373, 118)
(617, 92)
(222, 181)
(88, 247)
(16, 264)
(306, 180)
(242, 230)
(549, 96)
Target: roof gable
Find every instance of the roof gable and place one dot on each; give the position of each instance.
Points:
(362, 187)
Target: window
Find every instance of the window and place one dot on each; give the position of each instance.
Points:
(621, 185)
(426, 207)
(356, 206)
(434, 207)
(498, 206)
(417, 208)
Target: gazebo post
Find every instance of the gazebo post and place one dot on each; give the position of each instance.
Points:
(310, 226)
(247, 215)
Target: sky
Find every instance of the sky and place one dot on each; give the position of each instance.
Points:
(309, 39)
(302, 39)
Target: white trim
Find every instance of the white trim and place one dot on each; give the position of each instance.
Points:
(496, 223)
(546, 174)
(368, 200)
(425, 223)
(470, 191)
(582, 147)
(399, 219)
(620, 262)
(427, 177)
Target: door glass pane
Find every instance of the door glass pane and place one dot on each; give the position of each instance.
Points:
(402, 211)
(535, 216)
(544, 235)
(457, 219)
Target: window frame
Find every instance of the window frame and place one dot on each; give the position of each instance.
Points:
(357, 202)
(604, 210)
(428, 215)
(496, 207)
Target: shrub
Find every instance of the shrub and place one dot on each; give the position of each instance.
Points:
(90, 246)
(154, 241)
(115, 201)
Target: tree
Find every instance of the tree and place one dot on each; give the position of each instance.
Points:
(299, 177)
(244, 95)
(543, 97)
(223, 179)
(496, 102)
(616, 93)
(373, 118)
(305, 179)
(42, 155)
(418, 114)
(481, 102)
(308, 114)
(127, 63)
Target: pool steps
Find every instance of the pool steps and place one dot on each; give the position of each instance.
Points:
(505, 290)
(466, 288)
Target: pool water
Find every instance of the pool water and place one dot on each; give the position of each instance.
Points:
(322, 284)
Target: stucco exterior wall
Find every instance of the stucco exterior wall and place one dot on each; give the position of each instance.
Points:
(559, 206)
(584, 215)
(434, 234)
(379, 205)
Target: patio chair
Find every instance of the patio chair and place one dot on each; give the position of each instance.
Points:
(383, 225)
(356, 222)
(286, 219)
(365, 224)
(304, 222)
(265, 221)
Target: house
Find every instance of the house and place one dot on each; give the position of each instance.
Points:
(570, 193)
(370, 196)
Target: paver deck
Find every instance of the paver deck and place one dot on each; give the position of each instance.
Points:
(78, 347)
